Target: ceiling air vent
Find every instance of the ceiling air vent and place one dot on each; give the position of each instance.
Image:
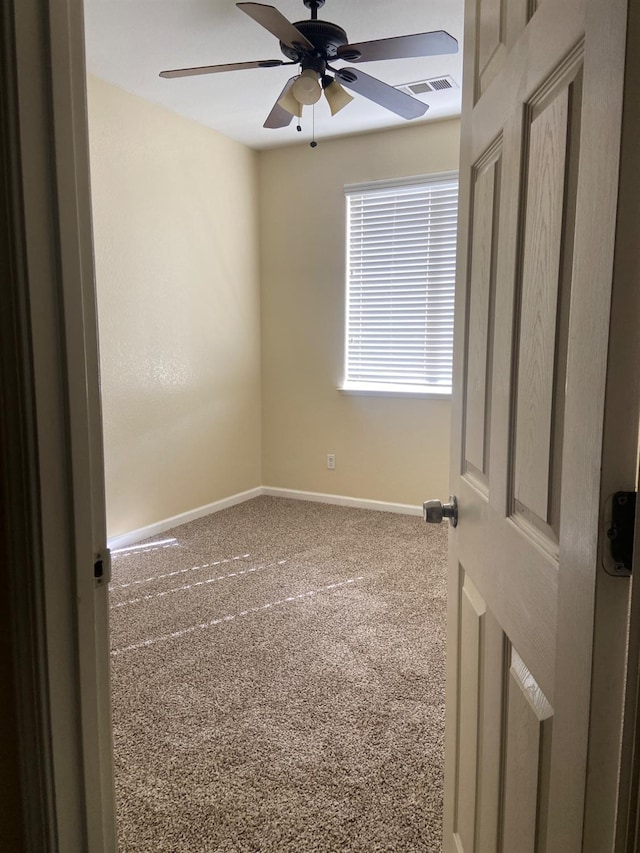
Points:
(423, 87)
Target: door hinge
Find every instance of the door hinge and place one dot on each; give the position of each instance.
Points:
(620, 529)
(102, 567)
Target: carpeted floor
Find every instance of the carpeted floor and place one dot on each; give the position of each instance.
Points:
(278, 683)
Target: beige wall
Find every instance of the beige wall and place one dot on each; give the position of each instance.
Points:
(175, 224)
(387, 449)
(194, 409)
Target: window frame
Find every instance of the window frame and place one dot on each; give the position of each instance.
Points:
(374, 389)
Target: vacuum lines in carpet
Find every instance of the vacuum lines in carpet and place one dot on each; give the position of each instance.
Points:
(278, 683)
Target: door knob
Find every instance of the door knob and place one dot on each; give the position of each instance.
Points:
(435, 511)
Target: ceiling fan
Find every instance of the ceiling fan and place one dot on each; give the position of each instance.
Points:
(314, 45)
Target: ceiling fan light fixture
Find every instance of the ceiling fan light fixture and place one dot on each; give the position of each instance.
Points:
(306, 90)
(336, 96)
(289, 103)
(313, 45)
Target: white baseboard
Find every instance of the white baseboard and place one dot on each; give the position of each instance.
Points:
(134, 536)
(126, 539)
(342, 500)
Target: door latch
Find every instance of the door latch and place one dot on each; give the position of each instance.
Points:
(620, 528)
(102, 567)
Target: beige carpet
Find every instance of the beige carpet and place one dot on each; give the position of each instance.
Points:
(278, 683)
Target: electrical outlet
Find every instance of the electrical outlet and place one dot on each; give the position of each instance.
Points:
(331, 461)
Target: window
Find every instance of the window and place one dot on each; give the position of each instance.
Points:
(401, 259)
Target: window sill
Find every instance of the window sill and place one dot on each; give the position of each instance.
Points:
(357, 390)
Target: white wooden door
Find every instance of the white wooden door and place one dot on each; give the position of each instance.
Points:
(539, 174)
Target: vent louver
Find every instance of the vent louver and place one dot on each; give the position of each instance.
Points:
(423, 87)
(440, 84)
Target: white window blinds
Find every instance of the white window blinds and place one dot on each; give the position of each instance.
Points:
(401, 247)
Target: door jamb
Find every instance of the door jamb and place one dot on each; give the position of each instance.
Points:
(51, 439)
(616, 715)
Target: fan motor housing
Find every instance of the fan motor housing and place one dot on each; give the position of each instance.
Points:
(323, 35)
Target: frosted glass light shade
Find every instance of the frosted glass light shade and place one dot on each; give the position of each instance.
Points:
(290, 104)
(337, 97)
(306, 90)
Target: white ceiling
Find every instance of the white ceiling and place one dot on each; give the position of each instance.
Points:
(130, 41)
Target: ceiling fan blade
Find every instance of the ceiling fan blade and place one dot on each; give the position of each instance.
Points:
(400, 47)
(216, 69)
(274, 21)
(279, 117)
(383, 94)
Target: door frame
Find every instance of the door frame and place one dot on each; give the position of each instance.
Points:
(50, 440)
(624, 351)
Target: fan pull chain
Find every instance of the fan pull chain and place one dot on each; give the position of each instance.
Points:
(313, 142)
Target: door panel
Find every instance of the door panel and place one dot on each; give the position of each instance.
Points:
(499, 24)
(528, 735)
(504, 737)
(486, 195)
(472, 616)
(543, 292)
(491, 727)
(492, 16)
(539, 305)
(530, 361)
